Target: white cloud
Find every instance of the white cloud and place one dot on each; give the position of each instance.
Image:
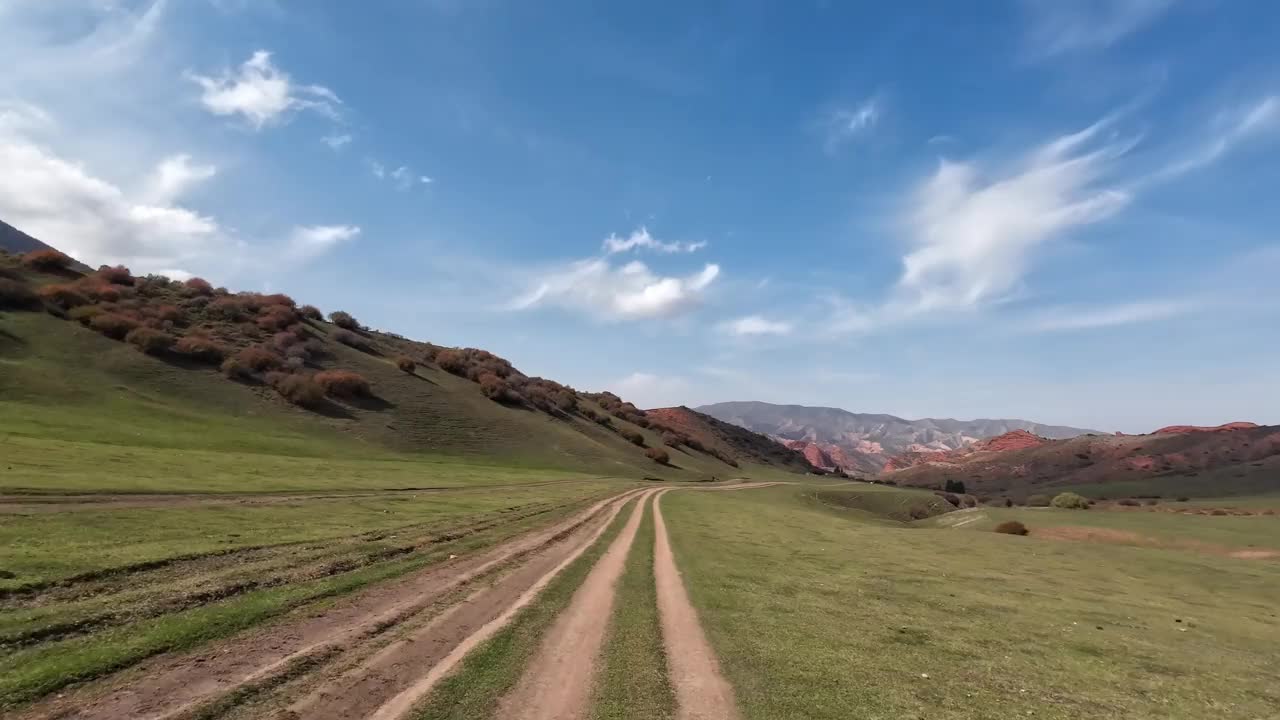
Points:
(336, 141)
(314, 240)
(647, 390)
(262, 93)
(402, 177)
(1231, 129)
(975, 234)
(426, 179)
(754, 325)
(1058, 27)
(1089, 318)
(641, 239)
(64, 205)
(173, 177)
(848, 123)
(629, 292)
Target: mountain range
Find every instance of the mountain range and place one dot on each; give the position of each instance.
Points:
(865, 442)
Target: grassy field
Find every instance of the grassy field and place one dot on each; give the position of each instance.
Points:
(817, 613)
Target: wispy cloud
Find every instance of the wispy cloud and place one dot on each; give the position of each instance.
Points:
(336, 141)
(174, 176)
(640, 239)
(845, 124)
(262, 93)
(629, 292)
(315, 240)
(755, 325)
(1061, 27)
(401, 177)
(1229, 129)
(1068, 318)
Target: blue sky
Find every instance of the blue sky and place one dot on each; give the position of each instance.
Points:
(1058, 211)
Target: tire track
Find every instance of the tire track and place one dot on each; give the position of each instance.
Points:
(701, 691)
(558, 683)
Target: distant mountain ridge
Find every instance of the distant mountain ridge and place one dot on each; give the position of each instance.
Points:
(864, 442)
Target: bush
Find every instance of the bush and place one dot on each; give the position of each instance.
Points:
(343, 383)
(344, 320)
(298, 389)
(169, 313)
(229, 308)
(671, 439)
(199, 286)
(658, 455)
(259, 359)
(632, 436)
(112, 325)
(118, 275)
(954, 486)
(1039, 501)
(151, 342)
(236, 370)
(276, 318)
(100, 291)
(64, 296)
(497, 389)
(1070, 501)
(16, 295)
(452, 361)
(200, 347)
(405, 364)
(1129, 502)
(1012, 527)
(46, 260)
(1184, 499)
(350, 339)
(949, 497)
(310, 312)
(84, 314)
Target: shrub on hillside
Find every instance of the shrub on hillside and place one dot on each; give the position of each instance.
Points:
(1184, 499)
(1039, 501)
(632, 436)
(350, 339)
(949, 497)
(498, 389)
(169, 313)
(658, 455)
(300, 390)
(199, 286)
(149, 341)
(343, 383)
(671, 439)
(1070, 501)
(113, 325)
(310, 312)
(1012, 527)
(343, 320)
(1129, 502)
(46, 260)
(84, 314)
(228, 307)
(202, 348)
(100, 291)
(275, 318)
(15, 295)
(954, 486)
(259, 359)
(405, 364)
(236, 370)
(64, 296)
(118, 275)
(1153, 501)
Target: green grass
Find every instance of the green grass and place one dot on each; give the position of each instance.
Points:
(820, 615)
(495, 667)
(633, 680)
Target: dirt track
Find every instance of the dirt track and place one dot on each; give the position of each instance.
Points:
(376, 654)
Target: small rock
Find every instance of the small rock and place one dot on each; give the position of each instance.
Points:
(1177, 620)
(924, 675)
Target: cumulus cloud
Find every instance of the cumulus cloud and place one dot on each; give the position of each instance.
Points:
(755, 325)
(262, 93)
(640, 239)
(648, 390)
(1059, 27)
(314, 240)
(63, 204)
(975, 233)
(629, 292)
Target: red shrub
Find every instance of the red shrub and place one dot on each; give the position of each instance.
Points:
(350, 339)
(310, 312)
(279, 299)
(344, 320)
(298, 389)
(632, 436)
(100, 291)
(236, 370)
(277, 317)
(672, 439)
(118, 275)
(1012, 527)
(16, 295)
(658, 455)
(259, 359)
(113, 325)
(168, 313)
(497, 389)
(229, 308)
(405, 364)
(200, 347)
(85, 313)
(199, 286)
(452, 361)
(151, 342)
(46, 260)
(343, 383)
(64, 296)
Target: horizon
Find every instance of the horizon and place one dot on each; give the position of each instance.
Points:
(1048, 214)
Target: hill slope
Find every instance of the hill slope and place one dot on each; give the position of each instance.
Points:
(1213, 462)
(726, 439)
(865, 442)
(77, 380)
